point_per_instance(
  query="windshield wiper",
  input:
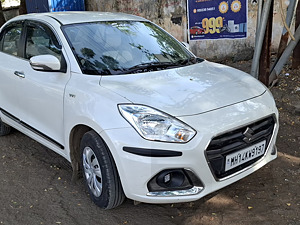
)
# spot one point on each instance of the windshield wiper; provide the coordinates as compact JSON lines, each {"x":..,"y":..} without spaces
{"x":190,"y":61}
{"x":151,"y":66}
{"x":156,"y":66}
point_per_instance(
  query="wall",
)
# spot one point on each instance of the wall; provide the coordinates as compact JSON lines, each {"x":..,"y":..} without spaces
{"x":10,"y":12}
{"x":10,"y":8}
{"x":171,"y":15}
{"x":10,"y":3}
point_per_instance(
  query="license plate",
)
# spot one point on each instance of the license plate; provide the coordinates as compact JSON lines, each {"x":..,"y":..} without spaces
{"x":245,"y":155}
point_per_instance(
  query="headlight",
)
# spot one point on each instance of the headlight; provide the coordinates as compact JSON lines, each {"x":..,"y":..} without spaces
{"x":154,"y":125}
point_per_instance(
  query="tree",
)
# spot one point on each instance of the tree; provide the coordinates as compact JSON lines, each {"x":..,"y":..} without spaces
{"x":22,"y":8}
{"x":2,"y":18}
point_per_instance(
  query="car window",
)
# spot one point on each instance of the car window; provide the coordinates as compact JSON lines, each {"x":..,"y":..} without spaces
{"x":41,"y":41}
{"x":119,"y":47}
{"x":11,"y":38}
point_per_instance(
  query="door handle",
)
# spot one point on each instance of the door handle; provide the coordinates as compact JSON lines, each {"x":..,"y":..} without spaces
{"x":19,"y":74}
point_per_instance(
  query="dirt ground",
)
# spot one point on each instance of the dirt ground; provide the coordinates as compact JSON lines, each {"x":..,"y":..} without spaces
{"x":36,"y":187}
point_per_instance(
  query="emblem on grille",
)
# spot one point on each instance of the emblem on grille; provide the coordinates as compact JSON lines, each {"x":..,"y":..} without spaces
{"x":248,"y":135}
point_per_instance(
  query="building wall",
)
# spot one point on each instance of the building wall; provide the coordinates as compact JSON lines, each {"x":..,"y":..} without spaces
{"x":10,"y":12}
{"x":172,"y":16}
{"x":10,"y":3}
{"x":169,"y":14}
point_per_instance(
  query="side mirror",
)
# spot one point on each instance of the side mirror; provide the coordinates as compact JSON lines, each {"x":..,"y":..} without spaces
{"x":186,"y":45}
{"x":45,"y":63}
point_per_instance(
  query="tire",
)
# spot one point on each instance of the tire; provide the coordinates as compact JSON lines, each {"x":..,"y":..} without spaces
{"x":100,"y":173}
{"x":4,"y":129}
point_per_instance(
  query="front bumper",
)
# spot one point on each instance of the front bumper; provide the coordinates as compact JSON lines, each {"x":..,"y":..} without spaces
{"x":137,"y":170}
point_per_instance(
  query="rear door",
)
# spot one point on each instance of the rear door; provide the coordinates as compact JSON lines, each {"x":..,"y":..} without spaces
{"x":10,"y":80}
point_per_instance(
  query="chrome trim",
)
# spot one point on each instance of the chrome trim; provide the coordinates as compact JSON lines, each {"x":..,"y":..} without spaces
{"x":19,"y":74}
{"x":276,"y":122}
{"x":193,"y":191}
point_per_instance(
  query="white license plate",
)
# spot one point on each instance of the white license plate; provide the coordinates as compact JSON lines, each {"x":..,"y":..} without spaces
{"x":245,"y":155}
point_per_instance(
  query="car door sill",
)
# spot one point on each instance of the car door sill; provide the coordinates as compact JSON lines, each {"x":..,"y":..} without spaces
{"x":30,"y":128}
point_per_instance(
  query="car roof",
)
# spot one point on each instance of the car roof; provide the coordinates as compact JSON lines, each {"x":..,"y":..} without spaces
{"x":72,"y":17}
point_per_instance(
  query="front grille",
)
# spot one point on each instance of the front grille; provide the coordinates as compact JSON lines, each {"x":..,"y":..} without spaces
{"x":236,"y":140}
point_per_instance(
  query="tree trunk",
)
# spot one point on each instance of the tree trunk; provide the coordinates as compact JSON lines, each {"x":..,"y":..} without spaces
{"x":2,"y":19}
{"x":22,"y":8}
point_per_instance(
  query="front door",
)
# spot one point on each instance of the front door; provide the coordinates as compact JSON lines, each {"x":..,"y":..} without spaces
{"x":41,"y":93}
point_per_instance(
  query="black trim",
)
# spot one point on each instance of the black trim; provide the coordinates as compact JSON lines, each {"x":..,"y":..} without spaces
{"x":235,"y":140}
{"x":179,"y":180}
{"x":152,"y":152}
{"x":42,"y":68}
{"x":32,"y":129}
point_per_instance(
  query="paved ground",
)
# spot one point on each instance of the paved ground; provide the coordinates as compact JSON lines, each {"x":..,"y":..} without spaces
{"x":36,"y":187}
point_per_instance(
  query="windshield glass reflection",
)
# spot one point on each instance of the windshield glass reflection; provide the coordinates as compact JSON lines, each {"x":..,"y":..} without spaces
{"x":122,"y":47}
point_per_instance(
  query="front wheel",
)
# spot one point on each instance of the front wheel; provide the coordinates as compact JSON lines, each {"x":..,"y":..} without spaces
{"x":100,"y":172}
{"x":4,"y":129}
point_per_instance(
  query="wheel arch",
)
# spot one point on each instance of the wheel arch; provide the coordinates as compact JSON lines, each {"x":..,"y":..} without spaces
{"x":75,"y":137}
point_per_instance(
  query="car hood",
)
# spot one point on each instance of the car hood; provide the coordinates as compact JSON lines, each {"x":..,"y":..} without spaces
{"x":186,"y":90}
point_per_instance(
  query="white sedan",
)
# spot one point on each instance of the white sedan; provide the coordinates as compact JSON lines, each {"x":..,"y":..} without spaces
{"x":131,"y":108}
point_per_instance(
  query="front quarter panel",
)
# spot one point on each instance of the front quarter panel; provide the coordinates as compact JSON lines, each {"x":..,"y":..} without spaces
{"x":87,"y":103}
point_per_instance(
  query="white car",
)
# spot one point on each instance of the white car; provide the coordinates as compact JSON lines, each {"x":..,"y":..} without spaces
{"x":131,"y":107}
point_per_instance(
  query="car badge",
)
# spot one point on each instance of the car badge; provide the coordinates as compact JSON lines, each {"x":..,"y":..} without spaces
{"x":248,"y":135}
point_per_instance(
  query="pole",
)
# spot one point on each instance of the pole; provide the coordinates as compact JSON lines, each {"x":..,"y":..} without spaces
{"x":259,"y":11}
{"x":265,"y":62}
{"x":285,"y":56}
{"x":259,"y":43}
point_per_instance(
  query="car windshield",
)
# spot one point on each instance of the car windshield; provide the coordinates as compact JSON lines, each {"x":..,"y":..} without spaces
{"x":122,"y":47}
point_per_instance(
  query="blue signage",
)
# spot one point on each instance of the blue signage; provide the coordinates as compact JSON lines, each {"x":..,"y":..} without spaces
{"x":217,"y":19}
{"x":66,"y":5}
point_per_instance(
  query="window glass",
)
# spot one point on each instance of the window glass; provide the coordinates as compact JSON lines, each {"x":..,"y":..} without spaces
{"x":10,"y":40}
{"x":41,"y":41}
{"x":122,"y":47}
